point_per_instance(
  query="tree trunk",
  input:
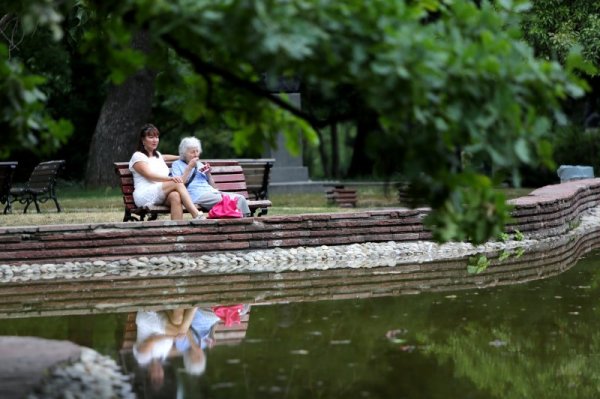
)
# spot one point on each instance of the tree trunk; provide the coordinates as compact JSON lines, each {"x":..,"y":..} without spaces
{"x":335,"y":155}
{"x":322,"y":153}
{"x":361,"y":165}
{"x":126,"y":108}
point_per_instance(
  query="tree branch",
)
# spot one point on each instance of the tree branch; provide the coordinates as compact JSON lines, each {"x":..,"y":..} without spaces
{"x":202,"y":67}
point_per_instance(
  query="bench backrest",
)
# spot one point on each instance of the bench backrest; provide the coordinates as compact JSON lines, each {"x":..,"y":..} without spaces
{"x":43,"y":177}
{"x":227,"y":174}
{"x":7,"y":170}
{"x":258,"y":173}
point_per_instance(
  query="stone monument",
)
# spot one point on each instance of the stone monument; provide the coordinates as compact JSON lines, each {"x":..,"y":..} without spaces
{"x":288,"y":173}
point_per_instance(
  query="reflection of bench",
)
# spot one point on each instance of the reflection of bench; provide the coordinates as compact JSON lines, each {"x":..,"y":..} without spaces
{"x":40,"y":187}
{"x":342,"y":196}
{"x":257,"y":172}
{"x":7,"y":170}
{"x":228,"y":177}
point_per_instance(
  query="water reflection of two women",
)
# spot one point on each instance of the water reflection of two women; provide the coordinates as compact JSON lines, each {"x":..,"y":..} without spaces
{"x":186,"y":332}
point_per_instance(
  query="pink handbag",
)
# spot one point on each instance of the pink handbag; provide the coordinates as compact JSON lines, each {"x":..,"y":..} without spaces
{"x":230,"y":315}
{"x":226,"y":208}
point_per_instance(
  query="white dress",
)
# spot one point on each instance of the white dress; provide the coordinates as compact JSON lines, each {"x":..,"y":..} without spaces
{"x":149,"y":324}
{"x":147,"y":192}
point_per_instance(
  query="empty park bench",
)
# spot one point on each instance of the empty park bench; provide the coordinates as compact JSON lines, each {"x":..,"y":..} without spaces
{"x":7,"y":170}
{"x":227,"y":174}
{"x":40,"y":187}
{"x":257,"y":172}
{"x":342,"y":196}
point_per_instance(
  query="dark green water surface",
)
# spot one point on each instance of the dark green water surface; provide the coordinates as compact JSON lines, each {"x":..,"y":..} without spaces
{"x":535,"y":340}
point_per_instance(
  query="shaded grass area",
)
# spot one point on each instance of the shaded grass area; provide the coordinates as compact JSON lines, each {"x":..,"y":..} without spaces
{"x":106,"y":205}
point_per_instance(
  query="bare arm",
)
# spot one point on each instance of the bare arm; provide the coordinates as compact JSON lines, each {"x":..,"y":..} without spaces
{"x":184,"y":171}
{"x":144,"y":169}
{"x":179,"y":329}
{"x":189,"y":168}
{"x":206,"y":169}
{"x":211,"y":181}
{"x":169,"y":157}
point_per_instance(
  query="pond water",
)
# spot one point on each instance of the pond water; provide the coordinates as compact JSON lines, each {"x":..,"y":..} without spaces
{"x":535,"y":340}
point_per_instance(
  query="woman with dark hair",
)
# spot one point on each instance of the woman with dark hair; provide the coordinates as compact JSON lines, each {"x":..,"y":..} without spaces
{"x":151,"y":180}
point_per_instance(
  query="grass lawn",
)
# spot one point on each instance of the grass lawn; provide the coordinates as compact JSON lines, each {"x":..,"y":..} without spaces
{"x":106,"y":205}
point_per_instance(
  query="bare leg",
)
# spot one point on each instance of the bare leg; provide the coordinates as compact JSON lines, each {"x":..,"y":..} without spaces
{"x":170,"y":186}
{"x":174,"y":202}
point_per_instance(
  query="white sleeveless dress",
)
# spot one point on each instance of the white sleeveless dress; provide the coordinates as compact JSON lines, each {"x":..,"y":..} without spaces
{"x":147,"y":192}
{"x":149,"y":324}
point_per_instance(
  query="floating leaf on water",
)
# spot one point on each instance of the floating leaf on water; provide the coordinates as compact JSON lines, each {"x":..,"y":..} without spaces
{"x":394,"y":333}
{"x":558,"y":297}
{"x":497,"y":343}
{"x":574,"y":313}
{"x":315,"y":333}
{"x":233,"y":361}
{"x":222,"y":385}
{"x":299,"y":352}
{"x":407,"y":348}
{"x":340,"y":342}
{"x":451,"y":296}
{"x":397,"y":340}
{"x":584,"y":287}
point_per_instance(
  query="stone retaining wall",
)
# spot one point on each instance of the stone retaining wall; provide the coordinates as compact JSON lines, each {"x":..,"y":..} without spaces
{"x":43,"y":244}
{"x":551,"y":210}
{"x":554,"y":209}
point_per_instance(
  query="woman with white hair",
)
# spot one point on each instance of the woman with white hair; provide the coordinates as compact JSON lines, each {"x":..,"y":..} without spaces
{"x":198,"y":179}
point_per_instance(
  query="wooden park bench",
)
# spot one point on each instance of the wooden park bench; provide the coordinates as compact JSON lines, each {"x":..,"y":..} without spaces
{"x":257,"y":173}
{"x":227,"y":174}
{"x":7,"y":170}
{"x":40,"y":187}
{"x":342,"y":196}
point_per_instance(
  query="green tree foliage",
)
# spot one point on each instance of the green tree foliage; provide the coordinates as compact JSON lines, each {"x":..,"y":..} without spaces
{"x":448,"y":85}
{"x":554,"y":27}
{"x":24,"y":119}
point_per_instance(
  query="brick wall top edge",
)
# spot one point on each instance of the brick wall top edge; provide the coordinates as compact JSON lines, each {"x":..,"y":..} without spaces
{"x":392,"y":213}
{"x":572,"y":187}
{"x":556,"y":192}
